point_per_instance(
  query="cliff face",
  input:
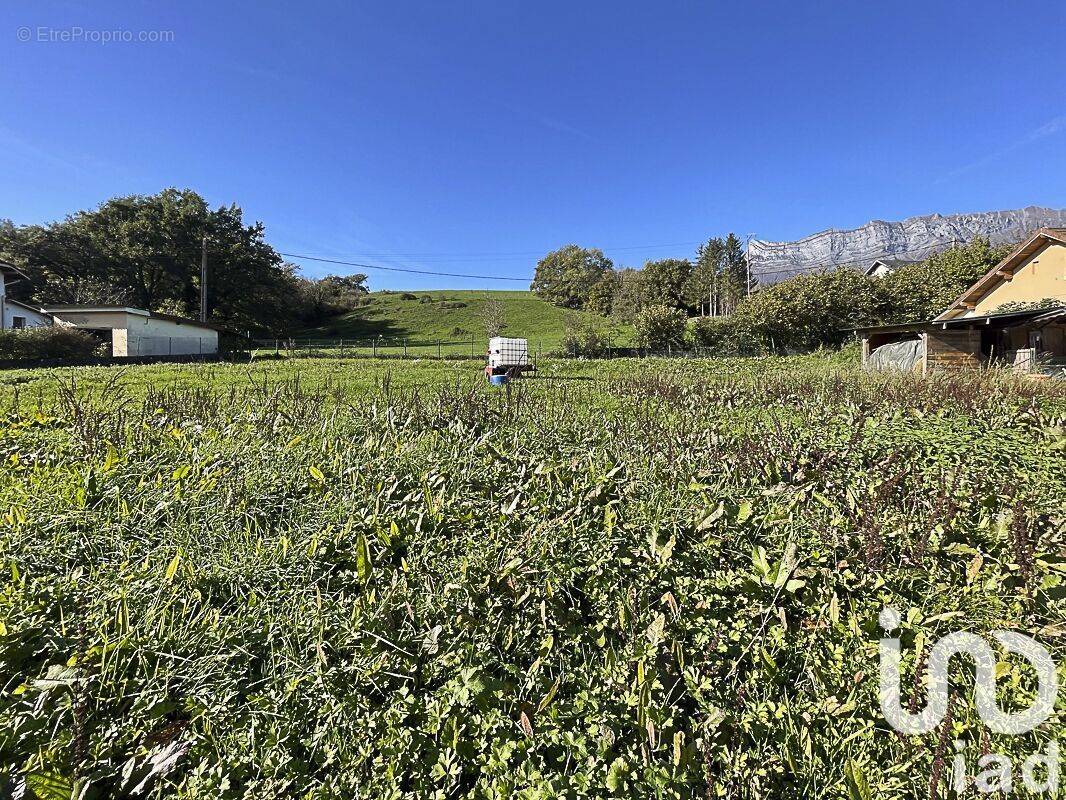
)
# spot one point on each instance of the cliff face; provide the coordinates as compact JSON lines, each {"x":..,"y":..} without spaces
{"x":910,"y":240}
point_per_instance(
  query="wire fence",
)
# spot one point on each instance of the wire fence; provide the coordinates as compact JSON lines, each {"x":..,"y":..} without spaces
{"x":379,"y":347}
{"x":456,"y":349}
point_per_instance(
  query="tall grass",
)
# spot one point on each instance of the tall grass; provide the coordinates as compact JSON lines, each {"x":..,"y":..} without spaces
{"x":663,"y":582}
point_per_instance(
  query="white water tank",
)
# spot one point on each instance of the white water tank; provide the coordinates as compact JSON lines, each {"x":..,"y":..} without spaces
{"x":504,"y":352}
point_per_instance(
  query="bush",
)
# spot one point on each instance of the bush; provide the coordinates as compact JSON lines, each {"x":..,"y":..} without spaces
{"x":408,"y":296}
{"x":725,"y":336}
{"x":451,"y":304}
{"x":810,"y":311}
{"x":660,"y":327}
{"x":57,"y":341}
{"x":585,"y":338}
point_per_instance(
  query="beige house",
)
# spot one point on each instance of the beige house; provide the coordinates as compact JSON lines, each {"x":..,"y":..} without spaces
{"x":134,"y":332}
{"x":994,"y":321}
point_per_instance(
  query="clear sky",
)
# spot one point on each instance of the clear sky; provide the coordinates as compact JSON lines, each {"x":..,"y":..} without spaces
{"x":475,"y":136}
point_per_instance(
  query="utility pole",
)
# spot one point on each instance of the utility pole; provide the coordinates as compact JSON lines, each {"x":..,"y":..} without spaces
{"x":203,"y":280}
{"x":747,"y":264}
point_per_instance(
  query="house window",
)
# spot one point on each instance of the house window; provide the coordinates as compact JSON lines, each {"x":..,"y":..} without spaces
{"x":18,"y":322}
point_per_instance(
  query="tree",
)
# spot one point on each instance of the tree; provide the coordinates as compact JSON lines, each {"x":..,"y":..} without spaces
{"x":601,"y":294}
{"x":924,"y":289}
{"x":812,"y":310}
{"x":145,"y":250}
{"x":665,"y":281}
{"x":735,"y":271}
{"x":565,"y":277}
{"x":704,"y":282}
{"x":629,"y":296}
{"x":660,"y":326}
{"x":492,"y":316}
{"x":317,"y":300}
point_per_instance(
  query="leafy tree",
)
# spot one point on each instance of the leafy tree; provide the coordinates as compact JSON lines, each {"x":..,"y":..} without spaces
{"x":145,"y":250}
{"x":629,"y":295}
{"x":923,"y":290}
{"x":317,"y":300}
{"x":660,"y":326}
{"x":665,"y":281}
{"x":601,"y":294}
{"x":565,"y":277}
{"x":1030,"y":305}
{"x":812,"y":310}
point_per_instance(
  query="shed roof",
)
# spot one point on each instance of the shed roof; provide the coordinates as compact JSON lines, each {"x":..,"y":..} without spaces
{"x":140,"y":312}
{"x":1004,"y":320}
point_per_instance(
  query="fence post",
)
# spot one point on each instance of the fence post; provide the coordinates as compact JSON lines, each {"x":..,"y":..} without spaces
{"x":375,"y":348}
{"x":342,"y":348}
{"x":405,"y":348}
{"x":439,"y":356}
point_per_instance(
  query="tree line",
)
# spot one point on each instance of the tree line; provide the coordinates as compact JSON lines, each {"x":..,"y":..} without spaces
{"x":712,"y":283}
{"x":708,"y":302}
{"x":145,"y":251}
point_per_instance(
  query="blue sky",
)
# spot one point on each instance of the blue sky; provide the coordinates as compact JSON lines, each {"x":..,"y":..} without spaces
{"x":472,"y":137}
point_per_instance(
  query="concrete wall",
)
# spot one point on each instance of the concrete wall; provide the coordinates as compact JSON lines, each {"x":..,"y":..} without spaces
{"x":1043,"y":275}
{"x":163,"y":337}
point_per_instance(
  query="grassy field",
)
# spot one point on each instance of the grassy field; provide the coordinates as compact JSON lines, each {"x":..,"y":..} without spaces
{"x":657,"y":579}
{"x":399,"y":315}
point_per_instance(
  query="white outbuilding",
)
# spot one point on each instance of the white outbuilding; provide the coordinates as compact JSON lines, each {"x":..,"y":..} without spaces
{"x":134,"y":332}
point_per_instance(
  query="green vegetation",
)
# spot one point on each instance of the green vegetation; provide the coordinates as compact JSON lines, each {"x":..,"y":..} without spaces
{"x":636,"y":579}
{"x":799,"y":314}
{"x":577,"y":277}
{"x":145,"y":250}
{"x":660,"y":327}
{"x":457,"y":316}
{"x":31,"y":344}
{"x":571,"y":277}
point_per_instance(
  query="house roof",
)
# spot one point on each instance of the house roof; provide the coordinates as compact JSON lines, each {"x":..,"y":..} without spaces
{"x":97,"y":310}
{"x":11,"y":271}
{"x":34,"y":309}
{"x":891,"y":264}
{"x":1003,"y":270}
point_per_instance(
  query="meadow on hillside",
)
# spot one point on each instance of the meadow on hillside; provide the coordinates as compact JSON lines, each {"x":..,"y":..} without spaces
{"x":357,"y":578}
{"x":455,"y":315}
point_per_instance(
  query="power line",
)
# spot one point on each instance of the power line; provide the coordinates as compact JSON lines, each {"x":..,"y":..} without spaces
{"x":503,"y":254}
{"x":402,"y":269}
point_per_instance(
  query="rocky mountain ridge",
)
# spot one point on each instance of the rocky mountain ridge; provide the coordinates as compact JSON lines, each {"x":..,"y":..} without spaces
{"x":912,"y":239}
